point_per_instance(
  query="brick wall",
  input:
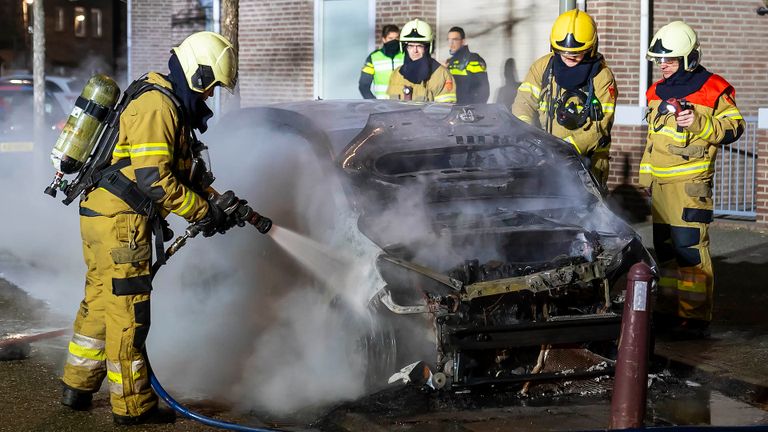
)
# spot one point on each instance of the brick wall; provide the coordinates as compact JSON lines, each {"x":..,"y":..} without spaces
{"x":399,"y":12}
{"x":732,"y":38}
{"x":151,"y":36}
{"x":618,"y":28}
{"x":276,"y":51}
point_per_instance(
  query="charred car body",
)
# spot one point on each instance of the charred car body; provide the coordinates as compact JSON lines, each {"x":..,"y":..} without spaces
{"x":496,"y":242}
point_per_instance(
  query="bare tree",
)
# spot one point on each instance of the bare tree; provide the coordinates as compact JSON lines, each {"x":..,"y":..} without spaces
{"x":230,"y":27}
{"x":38,"y":69}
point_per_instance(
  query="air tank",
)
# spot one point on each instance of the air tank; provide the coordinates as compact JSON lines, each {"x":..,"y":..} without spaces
{"x":85,"y":123}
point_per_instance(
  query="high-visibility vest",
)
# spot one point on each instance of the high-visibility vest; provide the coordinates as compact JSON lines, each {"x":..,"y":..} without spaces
{"x":382,"y":70}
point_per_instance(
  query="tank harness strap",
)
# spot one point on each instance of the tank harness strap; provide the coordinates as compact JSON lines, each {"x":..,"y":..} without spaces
{"x":100,"y":112}
{"x":127,"y":190}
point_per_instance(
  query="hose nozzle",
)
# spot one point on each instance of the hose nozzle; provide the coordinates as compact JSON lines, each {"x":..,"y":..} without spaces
{"x":263,"y":224}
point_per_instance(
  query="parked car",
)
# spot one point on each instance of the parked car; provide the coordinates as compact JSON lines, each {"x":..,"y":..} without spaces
{"x":64,"y":89}
{"x":496,"y":242}
{"x":16,"y":125}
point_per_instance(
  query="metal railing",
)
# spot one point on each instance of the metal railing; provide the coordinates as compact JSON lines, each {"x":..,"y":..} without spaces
{"x":734,"y":188}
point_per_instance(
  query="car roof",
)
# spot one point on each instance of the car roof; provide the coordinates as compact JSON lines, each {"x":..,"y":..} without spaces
{"x":53,"y":83}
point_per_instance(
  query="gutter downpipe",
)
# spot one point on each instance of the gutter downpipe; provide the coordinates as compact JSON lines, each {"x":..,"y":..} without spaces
{"x":645,"y":6}
{"x":566,"y":5}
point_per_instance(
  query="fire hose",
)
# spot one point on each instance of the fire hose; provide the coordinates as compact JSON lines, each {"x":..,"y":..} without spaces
{"x":241,"y":214}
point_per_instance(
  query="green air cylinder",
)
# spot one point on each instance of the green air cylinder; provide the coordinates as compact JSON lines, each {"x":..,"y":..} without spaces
{"x":85,"y":123}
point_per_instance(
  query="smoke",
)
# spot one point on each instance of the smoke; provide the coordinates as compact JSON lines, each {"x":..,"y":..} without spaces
{"x":263,"y":324}
{"x":39,"y":238}
{"x":240,"y":317}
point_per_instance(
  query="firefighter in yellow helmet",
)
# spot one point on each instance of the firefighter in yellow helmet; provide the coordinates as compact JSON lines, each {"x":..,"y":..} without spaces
{"x":421,"y":78}
{"x":150,"y":176}
{"x":571,"y":92}
{"x":691,"y":113}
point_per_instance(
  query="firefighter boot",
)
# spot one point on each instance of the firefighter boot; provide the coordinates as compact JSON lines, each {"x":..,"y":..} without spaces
{"x":76,"y":399}
{"x":155,"y":415}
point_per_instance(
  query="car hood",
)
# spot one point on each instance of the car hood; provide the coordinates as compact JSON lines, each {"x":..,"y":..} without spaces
{"x":440,"y":185}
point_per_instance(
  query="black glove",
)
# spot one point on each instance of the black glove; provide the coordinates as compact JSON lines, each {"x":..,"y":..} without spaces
{"x":214,"y":221}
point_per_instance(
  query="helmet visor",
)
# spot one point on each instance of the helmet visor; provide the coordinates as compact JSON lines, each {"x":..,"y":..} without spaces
{"x":568,"y":52}
{"x":660,"y":60}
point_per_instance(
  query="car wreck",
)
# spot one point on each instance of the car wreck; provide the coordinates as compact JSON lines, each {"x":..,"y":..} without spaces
{"x":496,"y":242}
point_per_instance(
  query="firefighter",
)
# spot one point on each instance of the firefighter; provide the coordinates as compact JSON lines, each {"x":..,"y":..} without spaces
{"x":380,"y":64}
{"x":468,"y":70}
{"x":421,"y":78}
{"x":691,"y":113}
{"x":571,"y":92}
{"x":154,"y":155}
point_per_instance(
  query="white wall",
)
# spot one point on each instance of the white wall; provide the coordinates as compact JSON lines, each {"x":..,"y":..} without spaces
{"x":497,"y":30}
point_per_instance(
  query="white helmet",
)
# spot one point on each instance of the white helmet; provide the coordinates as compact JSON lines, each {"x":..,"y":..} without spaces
{"x":417,"y":31}
{"x":207,"y":59}
{"x":676,"y":40}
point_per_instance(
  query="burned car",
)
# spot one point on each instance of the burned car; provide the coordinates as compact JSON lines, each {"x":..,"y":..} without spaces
{"x":496,"y":243}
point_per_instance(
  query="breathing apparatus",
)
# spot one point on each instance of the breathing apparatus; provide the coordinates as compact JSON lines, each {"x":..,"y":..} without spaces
{"x":572,"y":114}
{"x":93,"y":110}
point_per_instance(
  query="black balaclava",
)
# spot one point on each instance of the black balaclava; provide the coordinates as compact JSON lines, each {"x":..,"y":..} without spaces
{"x":391,"y":48}
{"x":420,"y":70}
{"x":195,"y":108}
{"x":682,"y":83}
{"x":576,"y":77}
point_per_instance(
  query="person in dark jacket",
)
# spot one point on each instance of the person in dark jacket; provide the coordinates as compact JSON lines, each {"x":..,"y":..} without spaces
{"x":468,"y":70}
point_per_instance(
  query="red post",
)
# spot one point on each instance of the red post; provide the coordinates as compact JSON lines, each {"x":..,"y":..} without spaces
{"x":631,"y":380}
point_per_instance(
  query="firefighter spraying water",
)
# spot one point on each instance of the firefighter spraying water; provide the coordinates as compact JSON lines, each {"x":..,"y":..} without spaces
{"x":135,"y":163}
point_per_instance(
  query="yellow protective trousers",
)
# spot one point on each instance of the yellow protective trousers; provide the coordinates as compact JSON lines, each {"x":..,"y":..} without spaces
{"x":682,"y":212}
{"x":112,"y":324}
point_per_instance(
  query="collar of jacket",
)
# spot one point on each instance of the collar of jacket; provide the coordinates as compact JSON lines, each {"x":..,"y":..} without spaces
{"x":682,"y":83}
{"x":420,"y":70}
{"x":460,"y":58}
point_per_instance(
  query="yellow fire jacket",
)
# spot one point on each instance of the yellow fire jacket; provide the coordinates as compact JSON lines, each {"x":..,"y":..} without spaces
{"x":157,"y":144}
{"x":438,"y":88}
{"x":534,"y":98}
{"x":673,"y":154}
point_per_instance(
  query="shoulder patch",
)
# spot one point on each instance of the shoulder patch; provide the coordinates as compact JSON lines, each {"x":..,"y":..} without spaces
{"x":448,"y":85}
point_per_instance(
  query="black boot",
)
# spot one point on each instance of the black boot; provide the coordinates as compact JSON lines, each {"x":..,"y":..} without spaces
{"x":76,"y":399}
{"x":155,"y":415}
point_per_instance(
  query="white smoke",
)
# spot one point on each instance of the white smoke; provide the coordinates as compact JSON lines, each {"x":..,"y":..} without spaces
{"x":239,"y":318}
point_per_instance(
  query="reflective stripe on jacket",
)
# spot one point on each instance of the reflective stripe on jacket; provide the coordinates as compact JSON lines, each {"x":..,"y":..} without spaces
{"x":438,"y":88}
{"x":532,"y":106}
{"x":158,"y":147}
{"x":674,"y":154}
{"x":381,"y":67}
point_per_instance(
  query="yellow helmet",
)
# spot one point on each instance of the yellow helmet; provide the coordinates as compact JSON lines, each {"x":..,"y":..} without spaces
{"x":207,"y":59}
{"x":416,"y":31}
{"x":676,"y":40}
{"x":574,"y":32}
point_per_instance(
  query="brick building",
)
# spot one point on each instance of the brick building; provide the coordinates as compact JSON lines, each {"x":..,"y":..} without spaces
{"x":290,"y":51}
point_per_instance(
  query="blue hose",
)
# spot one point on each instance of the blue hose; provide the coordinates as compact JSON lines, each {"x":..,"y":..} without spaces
{"x":184,"y":411}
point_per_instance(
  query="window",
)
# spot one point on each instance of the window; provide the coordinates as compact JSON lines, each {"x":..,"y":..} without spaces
{"x":96,"y":23}
{"x":59,"y":19}
{"x":80,"y":21}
